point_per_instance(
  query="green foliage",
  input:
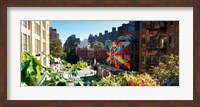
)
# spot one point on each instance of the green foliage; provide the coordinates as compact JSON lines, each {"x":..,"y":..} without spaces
{"x":97,"y":45}
{"x":78,"y":66}
{"x":56,"y":48}
{"x":82,"y":64}
{"x":72,"y":57}
{"x":30,"y":69}
{"x":128,"y":80}
{"x":167,"y":70}
{"x":56,"y":78}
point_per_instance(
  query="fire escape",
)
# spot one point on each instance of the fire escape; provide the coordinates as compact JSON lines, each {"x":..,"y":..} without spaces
{"x":157,"y":45}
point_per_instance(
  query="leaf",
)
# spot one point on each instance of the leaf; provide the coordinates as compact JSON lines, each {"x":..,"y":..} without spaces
{"x":36,"y":62}
{"x":47,"y":83}
{"x":24,"y":68}
{"x":74,"y":73}
{"x":25,"y":56}
{"x":33,"y":80}
{"x":30,"y":71}
{"x":81,"y":83}
{"x":38,"y":70}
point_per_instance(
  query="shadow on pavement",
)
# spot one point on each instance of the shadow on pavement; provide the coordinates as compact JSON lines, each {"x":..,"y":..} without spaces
{"x":90,"y":78}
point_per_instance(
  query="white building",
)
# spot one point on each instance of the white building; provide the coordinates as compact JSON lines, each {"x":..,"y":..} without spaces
{"x":83,"y":44}
{"x":34,"y":37}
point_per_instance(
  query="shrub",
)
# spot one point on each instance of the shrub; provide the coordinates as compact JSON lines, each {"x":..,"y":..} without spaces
{"x":129,"y":80}
{"x":168,"y":70}
{"x":30,"y":69}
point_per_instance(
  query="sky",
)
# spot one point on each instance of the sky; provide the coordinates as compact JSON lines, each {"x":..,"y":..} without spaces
{"x":82,"y":29}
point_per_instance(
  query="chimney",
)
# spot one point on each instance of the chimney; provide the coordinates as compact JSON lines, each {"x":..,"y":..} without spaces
{"x":106,"y":31}
{"x":113,"y":29}
{"x":100,"y":34}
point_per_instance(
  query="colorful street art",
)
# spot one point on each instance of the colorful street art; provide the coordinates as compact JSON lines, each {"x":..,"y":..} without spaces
{"x":118,"y":54}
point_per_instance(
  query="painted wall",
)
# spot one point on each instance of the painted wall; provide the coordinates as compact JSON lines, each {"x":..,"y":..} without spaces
{"x":118,"y":54}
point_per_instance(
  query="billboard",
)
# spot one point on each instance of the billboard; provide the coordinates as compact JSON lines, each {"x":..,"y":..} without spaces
{"x":118,"y":54}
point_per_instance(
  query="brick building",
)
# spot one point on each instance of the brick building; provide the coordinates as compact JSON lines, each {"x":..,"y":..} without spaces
{"x":157,"y":38}
{"x":53,"y":33}
{"x":86,"y":54}
{"x":103,"y":37}
{"x":130,"y":32}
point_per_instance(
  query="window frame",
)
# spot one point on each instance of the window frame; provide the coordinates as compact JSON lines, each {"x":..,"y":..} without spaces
{"x":24,"y":42}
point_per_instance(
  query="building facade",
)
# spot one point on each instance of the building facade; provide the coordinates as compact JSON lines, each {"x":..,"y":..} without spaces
{"x":34,"y":37}
{"x":103,"y":37}
{"x":87,"y":54}
{"x":130,"y":32}
{"x":83,"y":44}
{"x":71,"y":43}
{"x":157,"y":38}
{"x":53,"y":33}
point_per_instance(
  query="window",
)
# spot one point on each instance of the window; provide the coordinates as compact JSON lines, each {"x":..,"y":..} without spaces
{"x":24,"y":42}
{"x":143,"y":41}
{"x":161,"y":42}
{"x":171,"y":41}
{"x":28,"y":44}
{"x":152,"y":41}
{"x":152,"y":59}
{"x":143,"y":59}
{"x":162,"y":24}
{"x":44,"y":47}
{"x":44,"y":36}
{"x":152,"y":24}
{"x":28,"y":24}
{"x":148,"y":24}
{"x":143,"y":25}
{"x":37,"y":29}
{"x":24,"y":24}
{"x":37,"y":46}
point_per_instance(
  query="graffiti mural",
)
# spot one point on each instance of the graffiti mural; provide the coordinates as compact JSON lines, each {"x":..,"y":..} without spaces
{"x":118,"y":54}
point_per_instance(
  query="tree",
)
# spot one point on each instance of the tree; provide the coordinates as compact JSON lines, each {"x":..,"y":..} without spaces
{"x":56,"y":48}
{"x":168,"y":70}
{"x":97,"y":45}
{"x":72,"y":57}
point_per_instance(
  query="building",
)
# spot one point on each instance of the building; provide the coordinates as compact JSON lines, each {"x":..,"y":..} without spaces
{"x":100,"y":54}
{"x":53,"y":33}
{"x":130,"y":33}
{"x":103,"y":37}
{"x":157,"y":38}
{"x":113,"y":35}
{"x":34,"y":37}
{"x":89,"y":54}
{"x":71,"y":43}
{"x":83,"y":44}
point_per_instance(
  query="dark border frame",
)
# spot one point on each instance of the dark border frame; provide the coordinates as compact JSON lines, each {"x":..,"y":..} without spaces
{"x":98,"y":3}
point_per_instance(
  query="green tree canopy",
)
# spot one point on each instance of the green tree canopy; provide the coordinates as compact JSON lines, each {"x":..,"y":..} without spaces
{"x":56,"y":48}
{"x":97,"y":45}
{"x":168,"y":70}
